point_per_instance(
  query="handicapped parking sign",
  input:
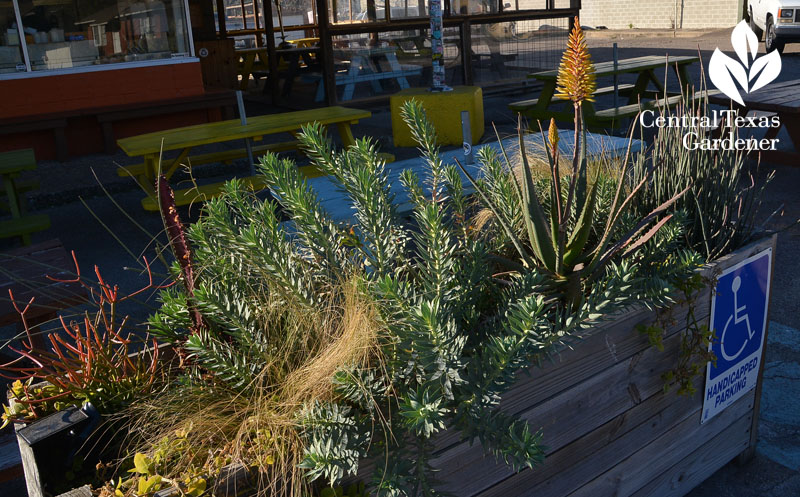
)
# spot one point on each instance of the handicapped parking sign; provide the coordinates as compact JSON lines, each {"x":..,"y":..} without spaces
{"x":739,"y":321}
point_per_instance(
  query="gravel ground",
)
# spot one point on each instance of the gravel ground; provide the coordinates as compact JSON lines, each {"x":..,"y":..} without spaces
{"x":775,"y":471}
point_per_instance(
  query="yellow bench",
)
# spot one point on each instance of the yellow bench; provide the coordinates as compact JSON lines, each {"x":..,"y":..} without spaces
{"x":20,"y":224}
{"x":201,"y":193}
{"x":225,"y":157}
{"x":150,"y":145}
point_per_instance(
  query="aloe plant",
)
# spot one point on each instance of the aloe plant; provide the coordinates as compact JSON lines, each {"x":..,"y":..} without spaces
{"x":557,"y":230}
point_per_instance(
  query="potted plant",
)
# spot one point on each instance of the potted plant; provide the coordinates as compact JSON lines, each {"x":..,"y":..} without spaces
{"x":64,"y":393}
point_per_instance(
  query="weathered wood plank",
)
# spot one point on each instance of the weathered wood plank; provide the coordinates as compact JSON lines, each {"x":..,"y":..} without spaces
{"x":700,"y":465}
{"x":466,"y":470}
{"x":660,"y":455}
{"x":84,"y":491}
{"x":601,"y":348}
{"x":589,"y":456}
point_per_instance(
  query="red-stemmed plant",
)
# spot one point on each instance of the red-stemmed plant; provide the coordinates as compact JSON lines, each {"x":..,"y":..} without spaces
{"x":95,"y":359}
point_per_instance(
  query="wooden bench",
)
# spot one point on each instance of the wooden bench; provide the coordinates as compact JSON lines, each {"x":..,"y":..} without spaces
{"x":225,"y":157}
{"x":57,"y":122}
{"x":22,"y":186}
{"x":526,"y":106}
{"x":628,"y":111}
{"x":20,"y":223}
{"x":202,"y":193}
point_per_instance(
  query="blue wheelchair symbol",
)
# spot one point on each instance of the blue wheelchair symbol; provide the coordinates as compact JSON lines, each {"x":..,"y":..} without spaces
{"x":740,"y":306}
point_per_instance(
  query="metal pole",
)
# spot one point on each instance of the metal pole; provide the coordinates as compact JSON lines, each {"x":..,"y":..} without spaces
{"x":243,"y":118}
{"x":466,"y":133}
{"x":616,"y":77}
{"x":437,"y":47}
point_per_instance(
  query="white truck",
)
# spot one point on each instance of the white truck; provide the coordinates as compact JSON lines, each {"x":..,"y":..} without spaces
{"x":778,"y":20}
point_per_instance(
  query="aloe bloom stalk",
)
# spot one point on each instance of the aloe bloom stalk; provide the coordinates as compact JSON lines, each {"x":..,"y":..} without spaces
{"x":558,"y":240}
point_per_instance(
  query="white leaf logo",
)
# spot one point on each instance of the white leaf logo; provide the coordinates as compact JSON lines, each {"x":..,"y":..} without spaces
{"x":726,"y":71}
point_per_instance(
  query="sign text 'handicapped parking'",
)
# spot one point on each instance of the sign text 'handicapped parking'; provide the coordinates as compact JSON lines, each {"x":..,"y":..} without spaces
{"x":739,"y":320}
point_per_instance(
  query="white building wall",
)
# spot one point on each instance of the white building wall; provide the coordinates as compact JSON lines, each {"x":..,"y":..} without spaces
{"x":661,"y":14}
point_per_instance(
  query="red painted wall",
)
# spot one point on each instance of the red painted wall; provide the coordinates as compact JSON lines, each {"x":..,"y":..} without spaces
{"x":74,"y":95}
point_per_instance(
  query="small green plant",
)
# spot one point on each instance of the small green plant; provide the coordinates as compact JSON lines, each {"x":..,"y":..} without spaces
{"x":146,"y":474}
{"x":29,"y":401}
{"x":694,"y":351}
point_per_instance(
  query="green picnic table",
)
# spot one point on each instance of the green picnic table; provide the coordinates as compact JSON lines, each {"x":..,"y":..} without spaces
{"x":639,"y":94}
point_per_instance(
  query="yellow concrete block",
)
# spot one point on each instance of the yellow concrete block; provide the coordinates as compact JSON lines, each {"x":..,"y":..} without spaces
{"x":444,"y":111}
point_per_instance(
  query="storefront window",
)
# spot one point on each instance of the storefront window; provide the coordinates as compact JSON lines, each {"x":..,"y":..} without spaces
{"x":350,"y":11}
{"x":76,"y":33}
{"x":11,"y":59}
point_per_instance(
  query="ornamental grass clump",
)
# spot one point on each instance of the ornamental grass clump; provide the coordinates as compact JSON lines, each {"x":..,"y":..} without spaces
{"x":262,"y":326}
{"x":564,"y":231}
{"x":722,"y":196}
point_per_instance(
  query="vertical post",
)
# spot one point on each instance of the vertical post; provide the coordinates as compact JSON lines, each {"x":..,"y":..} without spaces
{"x":326,"y":52}
{"x":616,"y":77}
{"x":244,"y":14}
{"x":466,"y":52}
{"x":466,"y":133}
{"x":259,"y":37}
{"x":243,"y":119}
{"x":675,"y":22}
{"x":272,"y":61}
{"x":223,"y":30}
{"x":437,"y":47}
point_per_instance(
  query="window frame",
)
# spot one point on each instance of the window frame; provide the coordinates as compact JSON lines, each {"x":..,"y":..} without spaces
{"x":111,"y":66}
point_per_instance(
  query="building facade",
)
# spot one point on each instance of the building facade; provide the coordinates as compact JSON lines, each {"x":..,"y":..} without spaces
{"x":662,"y":14}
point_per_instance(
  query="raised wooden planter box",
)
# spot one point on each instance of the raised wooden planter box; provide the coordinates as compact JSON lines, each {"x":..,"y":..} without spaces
{"x":609,"y":427}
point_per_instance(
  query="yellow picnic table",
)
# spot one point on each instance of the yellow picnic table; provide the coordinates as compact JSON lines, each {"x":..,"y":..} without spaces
{"x":304,"y":42}
{"x":252,"y":59}
{"x":12,"y":189}
{"x":150,"y":145}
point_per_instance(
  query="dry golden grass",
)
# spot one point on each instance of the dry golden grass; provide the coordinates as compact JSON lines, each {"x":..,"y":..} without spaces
{"x":259,"y":428}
